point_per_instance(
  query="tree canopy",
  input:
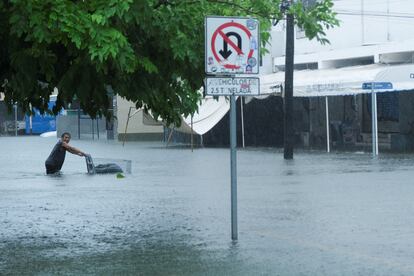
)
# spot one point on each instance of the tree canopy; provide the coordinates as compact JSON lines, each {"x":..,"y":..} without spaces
{"x":149,"y":51}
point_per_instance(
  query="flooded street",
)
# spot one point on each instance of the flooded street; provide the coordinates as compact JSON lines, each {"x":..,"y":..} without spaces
{"x":320,"y":214}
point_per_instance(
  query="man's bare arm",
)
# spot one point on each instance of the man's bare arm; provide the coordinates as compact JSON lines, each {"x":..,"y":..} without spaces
{"x":73,"y":150}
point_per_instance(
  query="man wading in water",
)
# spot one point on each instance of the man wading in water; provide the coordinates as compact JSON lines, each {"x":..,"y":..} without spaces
{"x":56,"y":158}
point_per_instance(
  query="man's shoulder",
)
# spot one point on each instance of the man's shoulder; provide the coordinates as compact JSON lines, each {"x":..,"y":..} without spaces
{"x":61,"y":145}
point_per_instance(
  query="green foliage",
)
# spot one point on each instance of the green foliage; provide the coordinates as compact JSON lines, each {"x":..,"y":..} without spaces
{"x":316,"y":19}
{"x":149,"y":51}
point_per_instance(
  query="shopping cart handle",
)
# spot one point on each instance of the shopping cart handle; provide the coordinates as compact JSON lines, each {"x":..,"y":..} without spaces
{"x":89,"y":164}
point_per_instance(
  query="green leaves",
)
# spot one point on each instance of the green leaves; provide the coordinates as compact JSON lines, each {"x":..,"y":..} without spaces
{"x":99,"y":19}
{"x":316,"y":19}
{"x":149,"y":51}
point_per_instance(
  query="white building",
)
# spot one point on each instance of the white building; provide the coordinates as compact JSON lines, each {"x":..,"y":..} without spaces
{"x":373,"y":34}
{"x":133,"y":124}
{"x":370,"y":31}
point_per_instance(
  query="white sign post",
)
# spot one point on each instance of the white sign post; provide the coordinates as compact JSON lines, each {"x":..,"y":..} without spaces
{"x":232,"y":45}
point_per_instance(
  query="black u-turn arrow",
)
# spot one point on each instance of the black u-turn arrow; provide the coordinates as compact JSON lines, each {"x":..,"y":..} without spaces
{"x":225,"y":53}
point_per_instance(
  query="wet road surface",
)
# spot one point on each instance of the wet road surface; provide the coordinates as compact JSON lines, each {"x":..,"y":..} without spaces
{"x":320,"y":214}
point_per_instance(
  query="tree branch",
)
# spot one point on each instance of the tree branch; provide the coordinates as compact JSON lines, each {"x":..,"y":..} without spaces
{"x":240,"y":7}
{"x":221,"y":2}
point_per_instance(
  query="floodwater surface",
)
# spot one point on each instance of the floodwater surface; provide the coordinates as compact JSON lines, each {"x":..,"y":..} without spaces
{"x":319,"y":214}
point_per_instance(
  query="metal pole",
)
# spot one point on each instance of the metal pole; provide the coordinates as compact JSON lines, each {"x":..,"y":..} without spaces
{"x":126,"y":126}
{"x":233,"y":163}
{"x":376,"y":124}
{"x":31,"y":124}
{"x":97,"y":128}
{"x":79,"y":122}
{"x":192,"y":138}
{"x":328,"y":149}
{"x":169,"y":137}
{"x":93,"y":130}
{"x":31,"y":120}
{"x":374,"y":121}
{"x":288,"y":100}
{"x":15,"y":119}
{"x":165,"y":134}
{"x":242,"y":119}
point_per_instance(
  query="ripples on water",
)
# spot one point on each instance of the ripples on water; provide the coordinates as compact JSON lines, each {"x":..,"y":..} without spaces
{"x":319,"y":214}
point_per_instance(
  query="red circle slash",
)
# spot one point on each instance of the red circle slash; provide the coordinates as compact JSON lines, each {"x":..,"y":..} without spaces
{"x":239,"y":51}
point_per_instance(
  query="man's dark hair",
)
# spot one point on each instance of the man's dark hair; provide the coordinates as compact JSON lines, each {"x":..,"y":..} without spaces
{"x":66,"y":133}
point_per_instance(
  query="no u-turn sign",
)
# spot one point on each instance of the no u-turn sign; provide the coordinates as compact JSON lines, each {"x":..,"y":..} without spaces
{"x":232,"y":45}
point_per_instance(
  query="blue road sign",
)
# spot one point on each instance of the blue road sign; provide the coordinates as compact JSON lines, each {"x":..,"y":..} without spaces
{"x":377,"y":85}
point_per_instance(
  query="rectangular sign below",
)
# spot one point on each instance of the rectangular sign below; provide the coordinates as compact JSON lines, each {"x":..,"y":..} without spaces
{"x":232,"y":86}
{"x":377,"y":85}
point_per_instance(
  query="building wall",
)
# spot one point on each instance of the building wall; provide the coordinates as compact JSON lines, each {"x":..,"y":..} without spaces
{"x":406,"y":120}
{"x":365,"y":22}
{"x":136,"y":130}
{"x":263,"y":124}
{"x":345,"y":117}
{"x":376,"y":37}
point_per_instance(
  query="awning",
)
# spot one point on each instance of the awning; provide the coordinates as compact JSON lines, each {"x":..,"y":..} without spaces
{"x":341,"y":81}
{"x":308,"y":83}
{"x":210,"y":112}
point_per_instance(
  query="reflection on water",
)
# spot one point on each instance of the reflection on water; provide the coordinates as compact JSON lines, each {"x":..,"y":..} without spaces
{"x":320,"y":214}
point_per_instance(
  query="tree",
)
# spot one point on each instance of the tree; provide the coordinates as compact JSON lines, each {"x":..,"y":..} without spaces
{"x":150,"y":52}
